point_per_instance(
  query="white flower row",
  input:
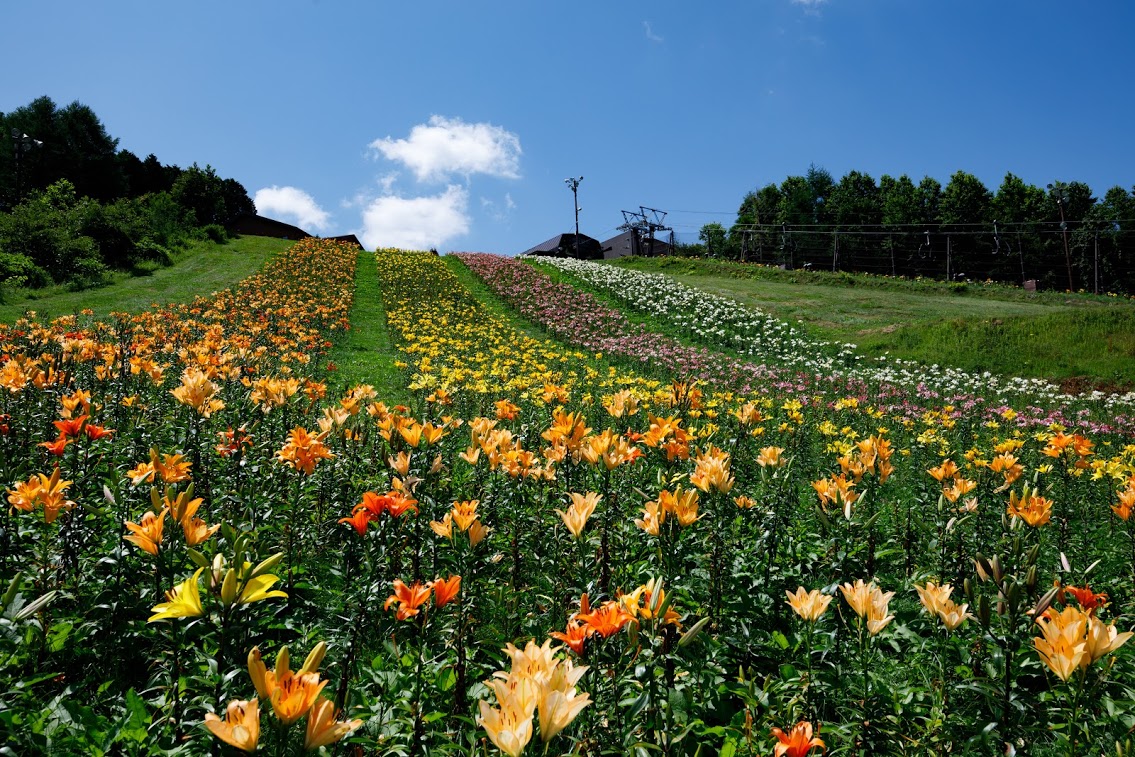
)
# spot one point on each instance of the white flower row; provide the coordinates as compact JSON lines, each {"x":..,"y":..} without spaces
{"x":726,"y":323}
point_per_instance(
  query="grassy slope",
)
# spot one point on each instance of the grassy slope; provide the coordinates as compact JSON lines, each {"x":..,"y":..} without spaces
{"x":365,"y":355}
{"x":490,"y":301}
{"x":202,"y":268}
{"x":1002,"y":330}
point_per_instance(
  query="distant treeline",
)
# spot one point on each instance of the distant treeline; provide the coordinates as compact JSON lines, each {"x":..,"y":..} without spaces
{"x":1061,"y":236}
{"x":73,"y":206}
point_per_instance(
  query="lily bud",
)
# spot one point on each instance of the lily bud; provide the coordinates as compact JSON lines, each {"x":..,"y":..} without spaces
{"x":981,"y":565}
{"x":10,"y":594}
{"x":983,"y":611}
{"x":314,"y":659}
{"x":216,"y":575}
{"x":1013,"y":595}
{"x":228,"y":588}
{"x":267,"y":565}
{"x":1030,"y":578}
{"x":690,"y":635}
{"x":1045,"y":602}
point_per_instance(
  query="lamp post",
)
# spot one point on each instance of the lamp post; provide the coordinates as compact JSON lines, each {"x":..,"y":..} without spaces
{"x":21,"y":144}
{"x":574,"y":184}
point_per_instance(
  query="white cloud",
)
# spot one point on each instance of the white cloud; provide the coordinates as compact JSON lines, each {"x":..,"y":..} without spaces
{"x":650,"y":35}
{"x":294,"y":203}
{"x":446,"y":147}
{"x":498,"y":211}
{"x":416,"y":223}
{"x":811,"y":7}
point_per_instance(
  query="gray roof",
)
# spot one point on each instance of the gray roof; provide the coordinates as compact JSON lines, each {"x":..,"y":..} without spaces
{"x":563,"y":245}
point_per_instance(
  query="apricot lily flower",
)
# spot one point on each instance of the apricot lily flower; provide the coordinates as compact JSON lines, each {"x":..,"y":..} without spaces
{"x":241,"y":726}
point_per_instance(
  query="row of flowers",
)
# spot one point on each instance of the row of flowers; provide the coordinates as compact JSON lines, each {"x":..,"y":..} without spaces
{"x":723,"y":323}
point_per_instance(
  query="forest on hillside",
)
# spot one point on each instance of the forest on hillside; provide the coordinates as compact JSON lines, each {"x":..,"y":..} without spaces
{"x":73,"y":206}
{"x":1062,"y":236}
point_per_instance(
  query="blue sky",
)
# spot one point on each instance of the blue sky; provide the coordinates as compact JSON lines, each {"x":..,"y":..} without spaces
{"x":455,"y":123}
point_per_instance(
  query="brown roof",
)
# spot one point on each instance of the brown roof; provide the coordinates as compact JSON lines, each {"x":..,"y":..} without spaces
{"x":259,"y":226}
{"x":348,"y":239}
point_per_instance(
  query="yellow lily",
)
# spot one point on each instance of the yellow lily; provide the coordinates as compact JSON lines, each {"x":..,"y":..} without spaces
{"x":183,"y":601}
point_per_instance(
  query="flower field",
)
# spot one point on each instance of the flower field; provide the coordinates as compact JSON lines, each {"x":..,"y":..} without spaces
{"x":606,"y":541}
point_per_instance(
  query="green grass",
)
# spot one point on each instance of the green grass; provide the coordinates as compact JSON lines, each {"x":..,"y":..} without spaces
{"x":490,"y":301}
{"x":1078,"y":339}
{"x":200,"y":269}
{"x":365,"y":354}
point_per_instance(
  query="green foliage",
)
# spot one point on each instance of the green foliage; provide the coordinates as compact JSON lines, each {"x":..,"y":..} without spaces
{"x":963,"y":232}
{"x":201,"y":192}
{"x":76,"y":208}
{"x":214,"y":232}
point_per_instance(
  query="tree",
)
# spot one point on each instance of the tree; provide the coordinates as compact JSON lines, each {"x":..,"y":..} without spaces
{"x":900,"y":207}
{"x":1019,"y":208}
{"x":1069,"y":203}
{"x":201,"y":191}
{"x":713,"y":237}
{"x":237,"y":201}
{"x":854,"y":205}
{"x":75,"y":146}
{"x":821,"y":184}
{"x":929,"y":201}
{"x":965,"y":209}
{"x":1115,"y":215}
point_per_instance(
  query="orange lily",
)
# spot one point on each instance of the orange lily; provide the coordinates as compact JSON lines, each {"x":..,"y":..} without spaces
{"x":409,"y":598}
{"x":798,"y":742}
{"x":241,"y":726}
{"x":445,"y":590}
{"x":148,"y":535}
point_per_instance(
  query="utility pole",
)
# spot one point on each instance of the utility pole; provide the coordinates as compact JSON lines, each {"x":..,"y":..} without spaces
{"x":574,"y":184}
{"x":1057,"y":190}
{"x":1096,"y":265}
{"x":22,"y":143}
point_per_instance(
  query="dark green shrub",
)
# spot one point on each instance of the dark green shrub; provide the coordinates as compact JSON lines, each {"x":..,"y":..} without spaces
{"x":149,"y":250}
{"x":18,"y":270}
{"x":216,"y":233}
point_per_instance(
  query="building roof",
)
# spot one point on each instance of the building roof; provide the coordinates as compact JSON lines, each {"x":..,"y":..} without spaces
{"x":348,"y":239}
{"x":260,"y":226}
{"x":563,"y":246}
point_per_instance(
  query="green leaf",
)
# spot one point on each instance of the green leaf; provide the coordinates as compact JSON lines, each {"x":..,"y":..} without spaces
{"x":446,"y":679}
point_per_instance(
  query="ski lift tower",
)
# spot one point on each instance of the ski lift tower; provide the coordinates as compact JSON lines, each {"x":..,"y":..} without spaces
{"x":645,"y":222}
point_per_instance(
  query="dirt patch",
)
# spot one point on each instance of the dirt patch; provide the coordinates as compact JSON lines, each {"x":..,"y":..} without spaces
{"x":1084,"y":384}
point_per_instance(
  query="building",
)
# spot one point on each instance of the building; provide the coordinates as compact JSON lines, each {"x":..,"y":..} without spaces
{"x":348,"y":239}
{"x":630,"y":243}
{"x":259,"y":226}
{"x":563,"y":246}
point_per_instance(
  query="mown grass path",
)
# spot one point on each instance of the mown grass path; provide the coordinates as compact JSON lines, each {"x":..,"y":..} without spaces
{"x":365,"y":354}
